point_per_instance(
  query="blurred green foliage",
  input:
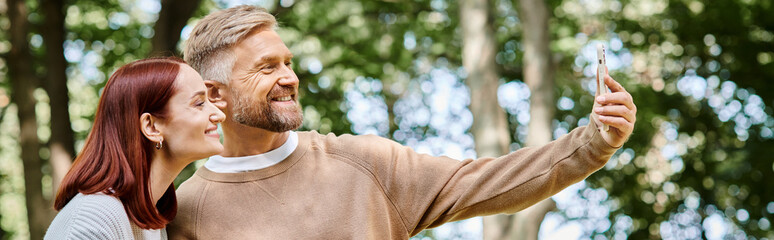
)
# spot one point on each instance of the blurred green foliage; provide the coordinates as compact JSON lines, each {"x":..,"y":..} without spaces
{"x":697,"y":69}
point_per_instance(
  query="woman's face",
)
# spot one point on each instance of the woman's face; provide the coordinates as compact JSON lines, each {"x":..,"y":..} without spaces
{"x":190,"y":128}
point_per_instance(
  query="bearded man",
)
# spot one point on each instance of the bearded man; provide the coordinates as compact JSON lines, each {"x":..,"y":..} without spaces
{"x":272,"y":182}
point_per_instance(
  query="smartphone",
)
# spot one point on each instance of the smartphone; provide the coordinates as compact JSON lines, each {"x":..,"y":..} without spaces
{"x":601,"y":72}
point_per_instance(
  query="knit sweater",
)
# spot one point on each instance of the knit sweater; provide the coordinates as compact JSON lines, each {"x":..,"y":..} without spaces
{"x":368,"y":187}
{"x":97,"y":216}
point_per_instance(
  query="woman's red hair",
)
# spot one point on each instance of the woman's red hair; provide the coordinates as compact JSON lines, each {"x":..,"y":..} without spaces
{"x":116,"y":158}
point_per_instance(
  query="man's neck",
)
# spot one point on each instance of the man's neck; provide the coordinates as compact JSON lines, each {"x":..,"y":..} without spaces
{"x":240,"y":140}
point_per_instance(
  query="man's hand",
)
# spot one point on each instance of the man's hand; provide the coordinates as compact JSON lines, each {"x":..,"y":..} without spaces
{"x":617,"y":110}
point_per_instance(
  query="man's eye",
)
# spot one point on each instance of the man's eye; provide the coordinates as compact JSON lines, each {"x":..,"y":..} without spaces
{"x":199,"y":103}
{"x":268,"y":69}
{"x":288,"y":63}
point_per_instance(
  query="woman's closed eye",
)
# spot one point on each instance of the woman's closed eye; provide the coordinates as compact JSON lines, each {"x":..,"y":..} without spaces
{"x":199,"y":103}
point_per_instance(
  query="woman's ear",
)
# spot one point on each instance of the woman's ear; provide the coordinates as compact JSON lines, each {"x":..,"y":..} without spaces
{"x":215,"y":93}
{"x":149,"y":125}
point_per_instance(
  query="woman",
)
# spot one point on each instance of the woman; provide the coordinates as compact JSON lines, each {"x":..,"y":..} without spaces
{"x":153,"y":119}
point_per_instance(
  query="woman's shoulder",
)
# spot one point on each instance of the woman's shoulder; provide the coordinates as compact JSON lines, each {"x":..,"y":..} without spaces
{"x":91,"y":216}
{"x":99,"y":204}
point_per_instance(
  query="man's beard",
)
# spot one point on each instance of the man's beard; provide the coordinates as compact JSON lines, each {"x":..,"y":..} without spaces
{"x":265,"y":115}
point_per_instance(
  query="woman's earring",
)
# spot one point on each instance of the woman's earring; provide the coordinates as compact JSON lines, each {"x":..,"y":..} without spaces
{"x":160,"y":144}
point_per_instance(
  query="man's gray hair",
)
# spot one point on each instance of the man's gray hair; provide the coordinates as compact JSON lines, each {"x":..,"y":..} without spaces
{"x":209,"y":48}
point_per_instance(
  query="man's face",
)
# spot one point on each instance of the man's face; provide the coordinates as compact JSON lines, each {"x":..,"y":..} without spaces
{"x":263,"y":86}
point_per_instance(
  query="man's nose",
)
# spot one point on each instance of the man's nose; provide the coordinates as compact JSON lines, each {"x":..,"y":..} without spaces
{"x":288,"y":76}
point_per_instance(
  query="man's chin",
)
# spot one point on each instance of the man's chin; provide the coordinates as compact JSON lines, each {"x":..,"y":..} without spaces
{"x":289,"y":122}
{"x":284,"y":123}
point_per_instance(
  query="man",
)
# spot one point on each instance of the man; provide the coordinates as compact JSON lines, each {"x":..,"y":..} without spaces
{"x":272,"y":182}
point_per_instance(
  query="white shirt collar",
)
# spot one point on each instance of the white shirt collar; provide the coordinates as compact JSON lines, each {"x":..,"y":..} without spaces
{"x":220,"y":164}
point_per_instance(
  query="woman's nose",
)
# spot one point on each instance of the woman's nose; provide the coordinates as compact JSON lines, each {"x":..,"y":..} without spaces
{"x":217,"y":116}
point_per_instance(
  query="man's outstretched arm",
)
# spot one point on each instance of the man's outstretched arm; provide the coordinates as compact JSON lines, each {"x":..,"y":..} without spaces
{"x":429,"y":191}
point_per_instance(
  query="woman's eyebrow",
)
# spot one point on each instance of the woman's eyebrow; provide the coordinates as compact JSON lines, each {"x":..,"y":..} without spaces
{"x":197,"y":94}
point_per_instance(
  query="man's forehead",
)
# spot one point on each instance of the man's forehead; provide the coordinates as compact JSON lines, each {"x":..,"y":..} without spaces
{"x":265,"y":43}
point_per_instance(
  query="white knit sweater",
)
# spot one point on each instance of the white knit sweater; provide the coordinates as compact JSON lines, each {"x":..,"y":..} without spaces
{"x":97,"y":216}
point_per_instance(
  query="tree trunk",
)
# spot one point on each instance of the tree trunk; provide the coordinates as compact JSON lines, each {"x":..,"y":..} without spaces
{"x":537,"y":70}
{"x":3,"y":233}
{"x":23,"y":80}
{"x":490,"y":126}
{"x":478,"y":58}
{"x":538,"y":75}
{"x":173,"y":17}
{"x":61,"y":144}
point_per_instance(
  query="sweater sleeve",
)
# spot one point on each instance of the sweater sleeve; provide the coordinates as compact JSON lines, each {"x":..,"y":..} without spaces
{"x":429,"y":191}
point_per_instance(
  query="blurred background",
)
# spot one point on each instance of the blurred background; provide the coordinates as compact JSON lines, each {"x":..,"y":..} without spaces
{"x":465,"y":79}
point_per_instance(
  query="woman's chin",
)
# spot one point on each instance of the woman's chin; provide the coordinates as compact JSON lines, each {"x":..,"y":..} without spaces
{"x":217,"y":149}
{"x":207,"y":152}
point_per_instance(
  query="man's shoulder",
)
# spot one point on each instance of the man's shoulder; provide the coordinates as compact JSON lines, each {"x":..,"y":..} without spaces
{"x":188,"y":195}
{"x":369,"y":150}
{"x":344,"y":141}
{"x":190,"y":186}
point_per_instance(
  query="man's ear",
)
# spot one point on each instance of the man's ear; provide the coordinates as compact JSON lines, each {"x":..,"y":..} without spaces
{"x":149,"y":125}
{"x":215,"y":93}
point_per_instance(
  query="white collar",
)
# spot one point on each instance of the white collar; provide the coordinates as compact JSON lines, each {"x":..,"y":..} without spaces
{"x":220,"y":164}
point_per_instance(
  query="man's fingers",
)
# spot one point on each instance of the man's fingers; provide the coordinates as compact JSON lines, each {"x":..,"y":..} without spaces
{"x":613,"y":85}
{"x":619,"y":123}
{"x":616,"y":111}
{"x":622,"y":98}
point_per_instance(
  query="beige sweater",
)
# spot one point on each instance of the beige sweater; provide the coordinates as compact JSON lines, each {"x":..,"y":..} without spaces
{"x":368,"y":187}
